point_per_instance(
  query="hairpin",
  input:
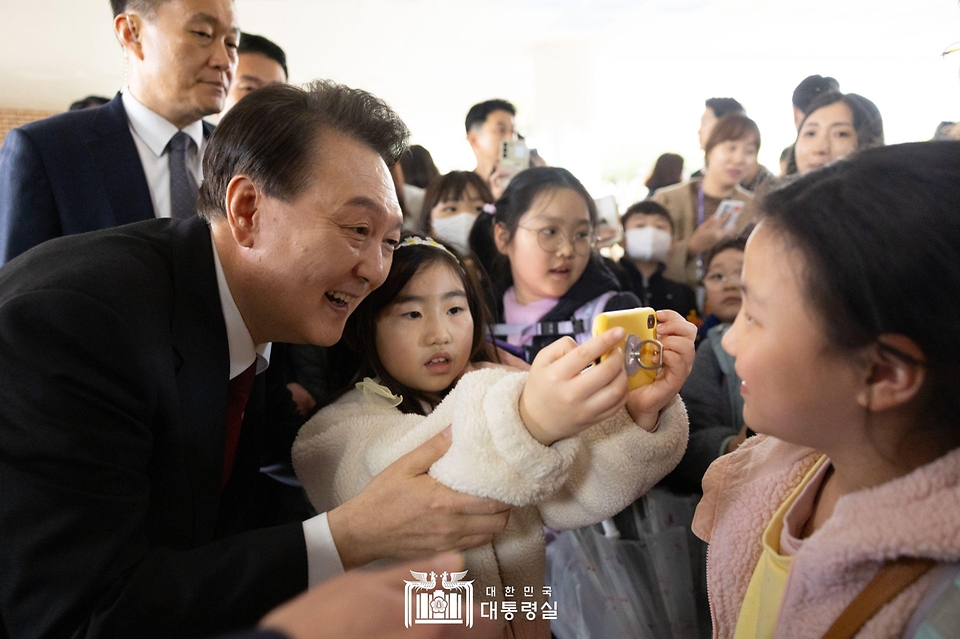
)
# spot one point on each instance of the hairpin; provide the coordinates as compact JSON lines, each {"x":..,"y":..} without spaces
{"x":490,"y":208}
{"x":414,"y":240}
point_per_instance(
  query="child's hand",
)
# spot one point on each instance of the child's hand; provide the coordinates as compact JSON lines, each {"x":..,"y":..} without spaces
{"x":677,"y":336}
{"x":560,"y":399}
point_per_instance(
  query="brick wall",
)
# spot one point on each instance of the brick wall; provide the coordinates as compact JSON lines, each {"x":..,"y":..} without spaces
{"x":12,"y":118}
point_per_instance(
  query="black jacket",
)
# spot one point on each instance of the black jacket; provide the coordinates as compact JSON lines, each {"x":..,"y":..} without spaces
{"x":659,"y":292}
{"x":114,"y":370}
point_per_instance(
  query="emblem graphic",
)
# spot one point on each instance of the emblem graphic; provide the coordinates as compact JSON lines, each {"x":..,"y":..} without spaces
{"x":425,"y":603}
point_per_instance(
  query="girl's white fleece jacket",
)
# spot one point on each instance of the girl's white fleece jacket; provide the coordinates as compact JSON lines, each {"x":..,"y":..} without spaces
{"x":574,"y":482}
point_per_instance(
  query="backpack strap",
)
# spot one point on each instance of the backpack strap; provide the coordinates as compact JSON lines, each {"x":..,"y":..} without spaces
{"x":579,"y":327}
{"x":539,"y":328}
{"x":893,"y":578}
{"x":586,"y":314}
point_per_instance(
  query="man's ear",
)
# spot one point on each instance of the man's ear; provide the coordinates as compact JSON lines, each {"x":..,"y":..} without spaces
{"x":472,"y":138}
{"x":501,"y":236}
{"x":895,"y":373}
{"x":128,"y":27}
{"x":242,"y":202}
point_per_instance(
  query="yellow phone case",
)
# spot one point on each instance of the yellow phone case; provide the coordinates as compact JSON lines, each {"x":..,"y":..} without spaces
{"x":643,"y":353}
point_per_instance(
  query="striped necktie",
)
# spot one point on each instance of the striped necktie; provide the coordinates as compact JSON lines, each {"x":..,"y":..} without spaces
{"x":183,"y":186}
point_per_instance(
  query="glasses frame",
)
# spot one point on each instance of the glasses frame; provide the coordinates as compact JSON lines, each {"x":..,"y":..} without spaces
{"x":564,"y":237}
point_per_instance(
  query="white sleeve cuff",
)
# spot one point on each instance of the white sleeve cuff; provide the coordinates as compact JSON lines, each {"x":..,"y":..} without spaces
{"x":323,"y":560}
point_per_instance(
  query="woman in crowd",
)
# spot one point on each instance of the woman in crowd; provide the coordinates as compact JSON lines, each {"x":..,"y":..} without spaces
{"x":836,"y":126}
{"x":548,"y":280}
{"x":731,"y":149}
{"x":565,"y":447}
{"x":666,"y":172}
{"x":840,"y":519}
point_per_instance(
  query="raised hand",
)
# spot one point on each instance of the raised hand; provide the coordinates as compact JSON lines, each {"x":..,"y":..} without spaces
{"x":677,"y":336}
{"x":561,"y":399}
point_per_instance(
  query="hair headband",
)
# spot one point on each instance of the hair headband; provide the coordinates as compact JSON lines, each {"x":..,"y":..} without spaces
{"x":425,"y":241}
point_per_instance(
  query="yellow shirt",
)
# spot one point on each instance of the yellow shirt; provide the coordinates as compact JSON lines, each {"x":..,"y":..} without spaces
{"x":761,"y":605}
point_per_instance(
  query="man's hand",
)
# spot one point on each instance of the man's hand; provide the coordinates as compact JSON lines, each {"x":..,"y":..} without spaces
{"x":404,"y":513}
{"x":677,"y":336}
{"x":370,"y":604}
{"x":496,"y":181}
{"x":561,"y":399}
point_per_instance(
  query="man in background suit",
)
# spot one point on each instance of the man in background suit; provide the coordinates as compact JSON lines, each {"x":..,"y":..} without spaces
{"x":261,"y":63}
{"x":137,"y":157}
{"x":126,"y":357}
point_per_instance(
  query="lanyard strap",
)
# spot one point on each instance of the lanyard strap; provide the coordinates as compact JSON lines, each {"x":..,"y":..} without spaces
{"x":700,"y":204}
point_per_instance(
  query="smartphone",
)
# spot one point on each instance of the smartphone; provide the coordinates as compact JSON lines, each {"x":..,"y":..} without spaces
{"x":642,"y":351}
{"x":514,"y":157}
{"x":733,"y":208}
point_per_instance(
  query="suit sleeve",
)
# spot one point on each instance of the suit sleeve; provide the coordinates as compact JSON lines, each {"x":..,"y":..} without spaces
{"x":77,"y":429}
{"x":28,"y":211}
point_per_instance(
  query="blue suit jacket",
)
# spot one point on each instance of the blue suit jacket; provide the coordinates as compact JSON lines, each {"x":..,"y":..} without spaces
{"x":75,"y":172}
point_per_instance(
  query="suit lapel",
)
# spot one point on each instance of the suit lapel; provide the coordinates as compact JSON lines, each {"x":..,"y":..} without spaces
{"x":118,"y":164}
{"x":200,"y":340}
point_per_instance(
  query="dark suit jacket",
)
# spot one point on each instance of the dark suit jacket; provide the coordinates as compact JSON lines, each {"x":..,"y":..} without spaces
{"x":75,"y":172}
{"x":113,"y":390}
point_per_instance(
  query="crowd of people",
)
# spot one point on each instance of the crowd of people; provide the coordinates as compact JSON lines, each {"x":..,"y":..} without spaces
{"x":240,"y":362}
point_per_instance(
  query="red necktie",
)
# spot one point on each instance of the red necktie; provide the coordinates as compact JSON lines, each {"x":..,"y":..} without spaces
{"x":237,"y":395}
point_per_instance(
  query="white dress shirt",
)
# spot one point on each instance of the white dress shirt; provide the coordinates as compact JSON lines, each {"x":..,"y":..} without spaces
{"x":151,"y":134}
{"x":323,"y":560}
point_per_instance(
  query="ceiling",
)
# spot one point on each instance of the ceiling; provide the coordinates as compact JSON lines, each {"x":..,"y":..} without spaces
{"x":616,"y":79}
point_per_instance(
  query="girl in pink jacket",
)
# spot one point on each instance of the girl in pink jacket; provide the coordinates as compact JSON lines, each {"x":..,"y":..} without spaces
{"x":847,"y":348}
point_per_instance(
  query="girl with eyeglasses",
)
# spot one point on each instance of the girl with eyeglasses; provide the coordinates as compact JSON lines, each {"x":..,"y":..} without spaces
{"x":548,"y":280}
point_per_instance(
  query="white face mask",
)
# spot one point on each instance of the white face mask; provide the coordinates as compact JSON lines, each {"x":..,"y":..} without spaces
{"x":648,"y":244}
{"x":455,"y":230}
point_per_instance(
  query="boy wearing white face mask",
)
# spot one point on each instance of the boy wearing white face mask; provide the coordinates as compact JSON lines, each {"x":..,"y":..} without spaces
{"x":648,"y":238}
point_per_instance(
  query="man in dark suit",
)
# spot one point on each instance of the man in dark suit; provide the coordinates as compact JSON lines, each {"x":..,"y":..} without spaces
{"x":137,"y":157}
{"x":126,"y":359}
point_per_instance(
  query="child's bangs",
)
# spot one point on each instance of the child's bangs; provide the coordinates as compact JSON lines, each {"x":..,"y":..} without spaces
{"x":453,"y":188}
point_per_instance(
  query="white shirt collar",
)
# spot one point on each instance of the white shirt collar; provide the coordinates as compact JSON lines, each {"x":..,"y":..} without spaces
{"x":153,"y":129}
{"x":239,"y":343}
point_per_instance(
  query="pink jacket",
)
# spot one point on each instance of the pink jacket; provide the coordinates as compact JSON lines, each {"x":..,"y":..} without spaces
{"x":917,"y":515}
